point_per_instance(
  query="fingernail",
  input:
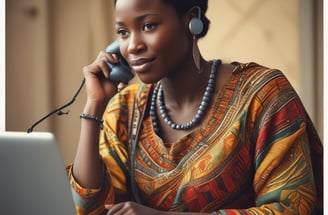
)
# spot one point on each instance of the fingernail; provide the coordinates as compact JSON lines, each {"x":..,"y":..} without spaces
{"x":108,"y":206}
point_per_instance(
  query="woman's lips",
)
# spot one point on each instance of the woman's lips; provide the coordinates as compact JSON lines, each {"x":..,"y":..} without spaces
{"x":141,"y":65}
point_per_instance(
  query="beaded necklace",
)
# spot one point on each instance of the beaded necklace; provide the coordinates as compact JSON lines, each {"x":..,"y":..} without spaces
{"x":158,"y":92}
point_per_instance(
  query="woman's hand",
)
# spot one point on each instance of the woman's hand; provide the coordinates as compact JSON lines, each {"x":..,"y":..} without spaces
{"x":130,"y":208}
{"x":99,"y":88}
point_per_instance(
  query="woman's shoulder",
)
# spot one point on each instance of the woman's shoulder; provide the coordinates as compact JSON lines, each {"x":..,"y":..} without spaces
{"x":241,"y":72}
{"x":254,"y":73}
{"x":252,"y":80}
{"x":253,"y":68}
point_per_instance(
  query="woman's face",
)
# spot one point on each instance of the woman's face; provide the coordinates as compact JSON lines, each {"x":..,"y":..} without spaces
{"x":153,"y":39}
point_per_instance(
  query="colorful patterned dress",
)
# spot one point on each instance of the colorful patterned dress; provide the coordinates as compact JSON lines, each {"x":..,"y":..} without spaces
{"x":256,"y":152}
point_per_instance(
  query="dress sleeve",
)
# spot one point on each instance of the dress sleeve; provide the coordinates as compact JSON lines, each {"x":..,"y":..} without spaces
{"x":114,"y":154}
{"x":113,"y":189}
{"x":283,"y":137}
{"x":86,"y":200}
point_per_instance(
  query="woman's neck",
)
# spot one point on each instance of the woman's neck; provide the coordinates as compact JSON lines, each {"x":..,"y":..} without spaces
{"x":187,"y":86}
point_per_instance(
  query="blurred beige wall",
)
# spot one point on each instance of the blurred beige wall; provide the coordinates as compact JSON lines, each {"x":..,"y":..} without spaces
{"x":48,"y":42}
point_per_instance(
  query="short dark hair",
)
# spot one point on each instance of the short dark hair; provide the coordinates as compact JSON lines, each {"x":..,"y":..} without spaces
{"x":183,"y":6}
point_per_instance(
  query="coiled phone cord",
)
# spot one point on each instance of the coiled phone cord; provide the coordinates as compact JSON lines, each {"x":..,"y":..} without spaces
{"x":59,"y":110}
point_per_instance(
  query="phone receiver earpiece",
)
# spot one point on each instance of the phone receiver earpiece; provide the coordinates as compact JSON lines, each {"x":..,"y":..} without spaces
{"x":120,"y":72}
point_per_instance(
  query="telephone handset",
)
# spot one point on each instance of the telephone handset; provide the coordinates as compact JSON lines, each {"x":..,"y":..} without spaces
{"x":120,"y":72}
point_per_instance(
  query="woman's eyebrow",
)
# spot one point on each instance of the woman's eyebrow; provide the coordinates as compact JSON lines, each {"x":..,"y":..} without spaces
{"x":139,"y":18}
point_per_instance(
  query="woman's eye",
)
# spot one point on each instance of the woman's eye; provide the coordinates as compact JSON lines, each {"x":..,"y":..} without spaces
{"x":149,"y":27}
{"x":122,"y":32}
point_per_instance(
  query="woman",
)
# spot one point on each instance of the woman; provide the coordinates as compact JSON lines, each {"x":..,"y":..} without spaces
{"x":198,"y":136}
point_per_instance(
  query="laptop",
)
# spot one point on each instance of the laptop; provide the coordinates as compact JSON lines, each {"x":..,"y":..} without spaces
{"x":33,"y":178}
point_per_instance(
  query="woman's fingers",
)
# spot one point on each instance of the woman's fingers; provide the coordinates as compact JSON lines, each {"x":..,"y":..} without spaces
{"x":104,"y":59}
{"x":121,"y":86}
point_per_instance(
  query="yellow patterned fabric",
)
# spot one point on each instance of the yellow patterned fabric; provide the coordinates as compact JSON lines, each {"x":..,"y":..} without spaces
{"x":256,"y":152}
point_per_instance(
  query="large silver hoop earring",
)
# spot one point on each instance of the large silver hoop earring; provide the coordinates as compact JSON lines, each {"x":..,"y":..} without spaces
{"x":196,"y":27}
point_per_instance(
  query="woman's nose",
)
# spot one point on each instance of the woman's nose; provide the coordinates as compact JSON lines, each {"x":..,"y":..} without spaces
{"x":136,"y":44}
